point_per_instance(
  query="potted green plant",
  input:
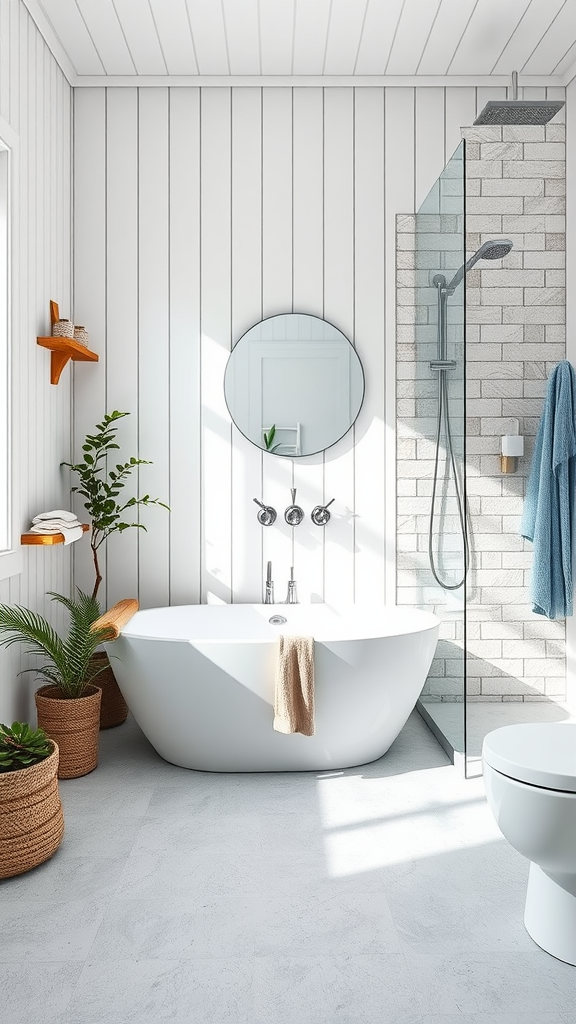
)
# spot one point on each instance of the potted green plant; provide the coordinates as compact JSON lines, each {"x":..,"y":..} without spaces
{"x":31,"y":818}
{"x":101,"y":487}
{"x":69,"y":705}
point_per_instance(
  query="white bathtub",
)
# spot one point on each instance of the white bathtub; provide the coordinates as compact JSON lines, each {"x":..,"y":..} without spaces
{"x":199,"y":680}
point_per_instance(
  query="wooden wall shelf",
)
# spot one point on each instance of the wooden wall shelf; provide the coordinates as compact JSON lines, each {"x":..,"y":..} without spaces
{"x":47,"y":538}
{"x":63,"y":349}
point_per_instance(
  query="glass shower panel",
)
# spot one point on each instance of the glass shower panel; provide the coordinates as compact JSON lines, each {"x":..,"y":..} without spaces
{"x":439,"y":427}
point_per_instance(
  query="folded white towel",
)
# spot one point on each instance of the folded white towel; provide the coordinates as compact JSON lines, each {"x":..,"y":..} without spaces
{"x":58,"y":521}
{"x":57,"y":513}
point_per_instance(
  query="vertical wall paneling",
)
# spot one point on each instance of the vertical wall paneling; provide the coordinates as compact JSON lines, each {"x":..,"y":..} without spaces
{"x":185,"y":484}
{"x":247,"y":461}
{"x":429,"y":141}
{"x":252,"y":202}
{"x":153,"y":343}
{"x":399,"y":198}
{"x":277,"y":216}
{"x":308,"y":274}
{"x":26,"y":355}
{"x":460,"y":111}
{"x":215,"y":325}
{"x":36,"y":256}
{"x":570,"y":115}
{"x":17,"y":15}
{"x":122,"y":319}
{"x":5,"y":64}
{"x":35,"y":107}
{"x":371,"y":450}
{"x":339,"y":309}
{"x":89,"y":283}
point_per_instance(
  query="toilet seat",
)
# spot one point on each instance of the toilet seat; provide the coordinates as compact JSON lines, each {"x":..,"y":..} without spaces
{"x":540,"y":754}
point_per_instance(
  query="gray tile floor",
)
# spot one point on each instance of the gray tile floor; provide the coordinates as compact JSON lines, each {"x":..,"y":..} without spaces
{"x":484,"y":716}
{"x":377,"y":895}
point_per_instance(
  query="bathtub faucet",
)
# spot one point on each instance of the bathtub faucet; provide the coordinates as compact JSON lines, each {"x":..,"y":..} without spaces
{"x":292,"y":597}
{"x":269,"y":587}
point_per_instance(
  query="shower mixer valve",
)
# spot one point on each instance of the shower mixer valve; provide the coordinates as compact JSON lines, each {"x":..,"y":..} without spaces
{"x":266,"y":514}
{"x":320,"y":514}
{"x":294,"y":514}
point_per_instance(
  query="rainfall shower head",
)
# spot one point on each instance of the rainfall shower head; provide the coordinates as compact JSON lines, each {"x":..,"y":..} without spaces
{"x":494,"y":249}
{"x":517,"y":111}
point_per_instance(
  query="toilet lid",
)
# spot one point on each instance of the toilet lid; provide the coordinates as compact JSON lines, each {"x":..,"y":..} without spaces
{"x":542,"y":754}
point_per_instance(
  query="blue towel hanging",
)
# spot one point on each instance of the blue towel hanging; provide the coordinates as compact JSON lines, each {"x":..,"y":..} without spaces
{"x":549,"y":502}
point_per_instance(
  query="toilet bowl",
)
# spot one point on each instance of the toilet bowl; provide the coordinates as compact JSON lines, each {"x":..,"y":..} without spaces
{"x":530,"y":779}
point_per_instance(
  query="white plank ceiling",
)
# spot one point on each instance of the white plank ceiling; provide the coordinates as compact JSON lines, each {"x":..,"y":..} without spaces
{"x":159,"y":38}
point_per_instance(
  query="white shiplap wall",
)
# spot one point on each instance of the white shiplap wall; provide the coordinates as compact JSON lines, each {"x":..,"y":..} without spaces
{"x":571,"y":328}
{"x":198,"y":211}
{"x":35,"y":105}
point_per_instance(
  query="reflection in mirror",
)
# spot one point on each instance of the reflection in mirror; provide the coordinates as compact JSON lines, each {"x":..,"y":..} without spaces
{"x":294,"y":385}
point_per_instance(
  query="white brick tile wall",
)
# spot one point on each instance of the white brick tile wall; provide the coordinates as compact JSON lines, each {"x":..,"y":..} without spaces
{"x":555,"y":187}
{"x":495,"y":204}
{"x":545,"y":204}
{"x":511,"y":187}
{"x":533,"y":314}
{"x":521,"y":133}
{"x":550,"y":259}
{"x":544,"y":151}
{"x":515,"y":321}
{"x":529,"y":169}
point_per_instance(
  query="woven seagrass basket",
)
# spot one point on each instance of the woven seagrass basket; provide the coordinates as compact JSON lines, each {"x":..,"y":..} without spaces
{"x":74,"y":724}
{"x":31,"y":819}
{"x":113,"y":709}
{"x":63,"y":329}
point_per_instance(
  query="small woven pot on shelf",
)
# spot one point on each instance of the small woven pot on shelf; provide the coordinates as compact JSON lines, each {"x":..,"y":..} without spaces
{"x":74,"y":724}
{"x":113,"y":709}
{"x":31,"y":818}
{"x":81,"y":334}
{"x":63,"y":329}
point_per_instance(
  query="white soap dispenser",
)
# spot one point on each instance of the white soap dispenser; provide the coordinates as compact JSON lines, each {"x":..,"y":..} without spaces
{"x":512,"y":449}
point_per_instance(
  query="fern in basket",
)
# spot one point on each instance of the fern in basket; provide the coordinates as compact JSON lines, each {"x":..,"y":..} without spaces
{"x":68,"y":665}
{"x":100,"y":487}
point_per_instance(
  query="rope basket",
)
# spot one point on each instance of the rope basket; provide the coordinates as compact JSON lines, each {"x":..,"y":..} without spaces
{"x":31,"y":819}
{"x":74,"y":724}
{"x":113,"y":709}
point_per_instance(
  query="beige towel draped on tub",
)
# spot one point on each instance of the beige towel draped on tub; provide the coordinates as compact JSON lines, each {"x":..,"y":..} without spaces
{"x":294,"y":695}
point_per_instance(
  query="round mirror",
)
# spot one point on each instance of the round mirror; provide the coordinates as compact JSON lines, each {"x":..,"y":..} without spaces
{"x":294,"y":385}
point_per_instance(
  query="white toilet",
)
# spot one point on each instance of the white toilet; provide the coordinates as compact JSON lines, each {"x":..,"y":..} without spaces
{"x":530,"y":778}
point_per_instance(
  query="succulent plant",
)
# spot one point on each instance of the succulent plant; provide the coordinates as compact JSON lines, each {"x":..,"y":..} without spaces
{"x":21,"y":746}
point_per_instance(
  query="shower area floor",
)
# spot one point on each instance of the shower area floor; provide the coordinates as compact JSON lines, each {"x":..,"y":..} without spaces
{"x":484,"y":716}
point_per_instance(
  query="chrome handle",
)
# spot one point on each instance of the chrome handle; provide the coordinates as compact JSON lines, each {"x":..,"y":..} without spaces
{"x":266,"y":514}
{"x":320,"y":514}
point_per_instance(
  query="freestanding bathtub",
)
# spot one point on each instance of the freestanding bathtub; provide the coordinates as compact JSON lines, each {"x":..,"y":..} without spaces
{"x":199,"y":680}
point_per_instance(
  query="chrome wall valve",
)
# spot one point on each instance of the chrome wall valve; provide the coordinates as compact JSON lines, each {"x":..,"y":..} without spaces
{"x":320,"y":514}
{"x":294,"y":514}
{"x":266,"y":515}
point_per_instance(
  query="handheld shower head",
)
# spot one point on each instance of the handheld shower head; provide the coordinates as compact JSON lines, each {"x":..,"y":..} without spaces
{"x":494,"y":249}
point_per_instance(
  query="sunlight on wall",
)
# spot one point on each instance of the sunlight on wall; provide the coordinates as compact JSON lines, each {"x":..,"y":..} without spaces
{"x":216,"y":474}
